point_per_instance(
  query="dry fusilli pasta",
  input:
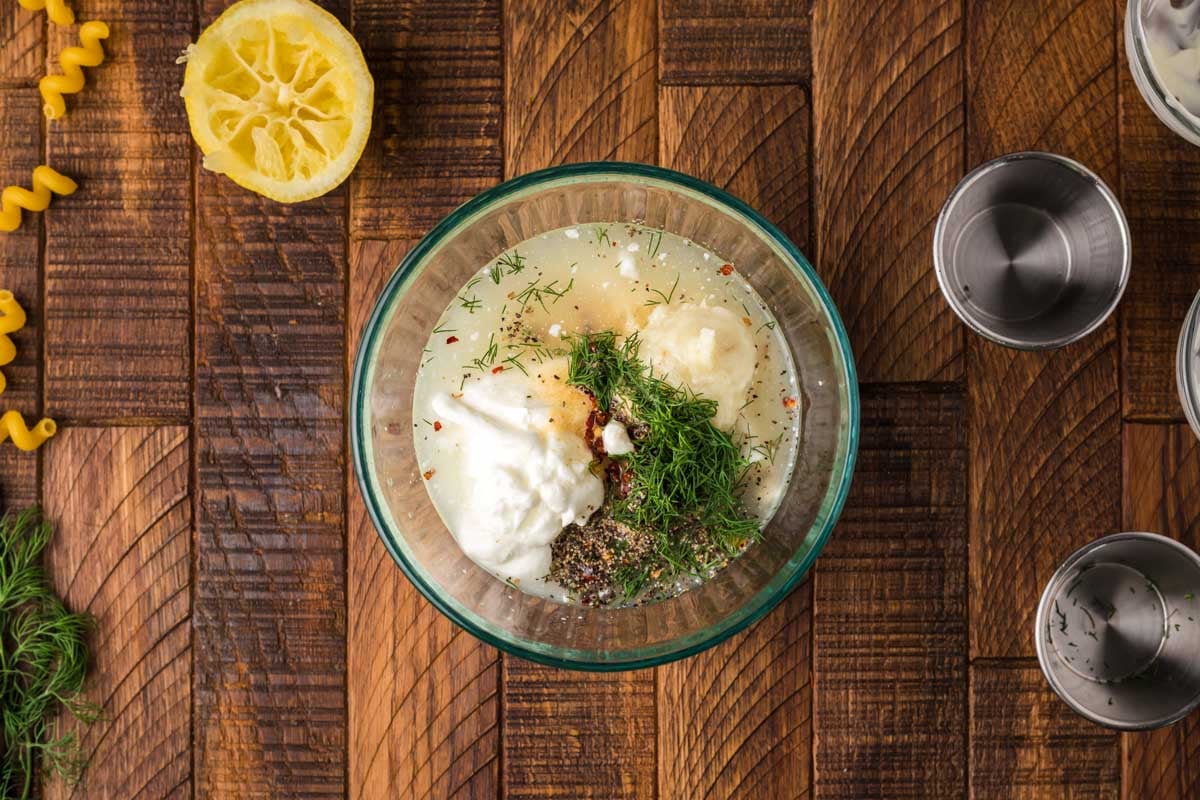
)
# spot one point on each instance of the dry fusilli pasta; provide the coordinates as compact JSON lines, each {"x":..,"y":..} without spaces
{"x":12,"y":321}
{"x":91,"y":54}
{"x":57,"y":10}
{"x":14,"y":198}
{"x":12,"y":426}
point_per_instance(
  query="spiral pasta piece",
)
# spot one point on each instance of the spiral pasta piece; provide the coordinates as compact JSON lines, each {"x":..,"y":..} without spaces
{"x":57,"y":10}
{"x":12,"y":426}
{"x":15,"y":198}
{"x":12,"y":321}
{"x":91,"y":54}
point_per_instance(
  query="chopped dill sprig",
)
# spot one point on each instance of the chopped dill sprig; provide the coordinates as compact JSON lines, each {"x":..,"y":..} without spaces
{"x":43,"y":663}
{"x":472,"y":303}
{"x":685,"y":472}
{"x":656,"y":238}
{"x":601,"y":232}
{"x":441,"y":328}
{"x":538,"y":293}
{"x":768,"y":450}
{"x":507,"y":264}
{"x":488,"y":359}
{"x":769,"y":325}
{"x":665,"y":298}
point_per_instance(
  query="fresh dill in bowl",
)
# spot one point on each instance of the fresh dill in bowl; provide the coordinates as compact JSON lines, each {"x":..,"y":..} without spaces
{"x":674,"y":509}
{"x":43,"y":662}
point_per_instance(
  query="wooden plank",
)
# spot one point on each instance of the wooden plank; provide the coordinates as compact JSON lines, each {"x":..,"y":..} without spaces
{"x":22,"y":47}
{"x":735,"y":41}
{"x":888,"y":147}
{"x":20,"y":273}
{"x":737,"y":719}
{"x":423,"y":694}
{"x":890,"y":606}
{"x":436,"y":136}
{"x":1028,"y":744}
{"x":580,"y":86}
{"x":580,"y":82}
{"x":122,"y":553}
{"x":572,"y":735}
{"x":1160,"y":180}
{"x":270,"y":702}
{"x":1045,"y":428}
{"x":749,"y":140}
{"x":119,"y":251}
{"x":1162,"y":495}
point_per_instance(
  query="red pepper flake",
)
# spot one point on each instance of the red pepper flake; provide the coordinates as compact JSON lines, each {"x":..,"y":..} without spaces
{"x":437,"y":426}
{"x":497,"y":370}
{"x":789,"y":402}
{"x":452,"y":340}
{"x":727,"y":269}
{"x":429,"y":474}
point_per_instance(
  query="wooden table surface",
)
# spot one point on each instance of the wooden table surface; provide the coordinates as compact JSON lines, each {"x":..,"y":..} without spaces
{"x":193,"y":340}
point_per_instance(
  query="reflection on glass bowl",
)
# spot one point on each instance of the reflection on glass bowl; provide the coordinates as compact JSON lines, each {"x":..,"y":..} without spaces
{"x":382,"y":425}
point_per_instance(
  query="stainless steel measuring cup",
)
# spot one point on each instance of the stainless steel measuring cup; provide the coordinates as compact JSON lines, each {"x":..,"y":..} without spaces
{"x":1032,"y":251}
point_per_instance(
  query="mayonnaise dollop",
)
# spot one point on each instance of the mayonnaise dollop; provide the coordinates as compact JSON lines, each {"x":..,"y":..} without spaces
{"x":523,"y":478}
{"x":707,"y":348}
{"x":1173,"y":42}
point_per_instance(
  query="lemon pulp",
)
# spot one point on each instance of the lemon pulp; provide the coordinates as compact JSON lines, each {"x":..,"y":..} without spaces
{"x":279,"y":98}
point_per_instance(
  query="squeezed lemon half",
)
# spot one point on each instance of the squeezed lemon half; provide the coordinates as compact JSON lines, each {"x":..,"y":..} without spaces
{"x":279,"y":98}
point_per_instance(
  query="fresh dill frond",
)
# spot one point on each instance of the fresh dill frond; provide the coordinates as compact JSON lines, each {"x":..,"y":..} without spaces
{"x":601,"y":232}
{"x":685,"y":472}
{"x":769,"y":325}
{"x":488,"y":359}
{"x":665,"y":299}
{"x":43,"y":662}
{"x":538,"y":292}
{"x":441,"y":328}
{"x":656,"y":238}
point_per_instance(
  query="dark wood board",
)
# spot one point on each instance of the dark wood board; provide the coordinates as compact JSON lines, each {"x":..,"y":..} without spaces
{"x":887,"y":150}
{"x":891,"y":671}
{"x":255,"y":639}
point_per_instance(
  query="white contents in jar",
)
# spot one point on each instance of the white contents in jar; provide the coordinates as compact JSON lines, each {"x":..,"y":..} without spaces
{"x":1173,"y":43}
{"x":616,"y":439}
{"x":521,"y":479}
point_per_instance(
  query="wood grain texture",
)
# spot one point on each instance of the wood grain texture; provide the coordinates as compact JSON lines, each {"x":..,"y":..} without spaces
{"x":438,"y":89}
{"x":20,"y":273}
{"x":270,"y":715}
{"x":570,"y":735}
{"x":580,"y":78}
{"x":423,"y":694}
{"x":736,"y":720}
{"x":1045,"y":428}
{"x":22,"y":46}
{"x":888,"y":149}
{"x":1028,"y":745}
{"x":122,"y":553}
{"x":890,"y":607}
{"x":1162,"y":495}
{"x":270,"y":601}
{"x":750,"y":140}
{"x":732,"y":41}
{"x":1160,"y":181}
{"x":119,"y":250}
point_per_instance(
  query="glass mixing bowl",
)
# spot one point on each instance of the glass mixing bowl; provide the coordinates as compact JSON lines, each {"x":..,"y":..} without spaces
{"x":382,"y":427}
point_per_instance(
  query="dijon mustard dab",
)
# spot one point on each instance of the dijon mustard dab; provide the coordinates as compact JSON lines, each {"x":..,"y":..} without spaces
{"x":532,"y":472}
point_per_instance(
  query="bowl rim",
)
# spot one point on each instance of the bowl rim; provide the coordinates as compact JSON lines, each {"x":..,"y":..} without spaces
{"x":942,"y":270}
{"x":1186,"y":377}
{"x":372,"y":330}
{"x":1041,"y":618}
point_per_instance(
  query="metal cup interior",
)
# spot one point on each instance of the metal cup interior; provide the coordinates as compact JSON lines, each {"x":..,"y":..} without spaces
{"x":1032,"y":251}
{"x":1118,"y":631}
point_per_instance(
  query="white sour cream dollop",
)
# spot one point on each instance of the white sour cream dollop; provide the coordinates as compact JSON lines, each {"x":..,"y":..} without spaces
{"x":1173,"y":42}
{"x":522,"y":479}
{"x":707,"y":348}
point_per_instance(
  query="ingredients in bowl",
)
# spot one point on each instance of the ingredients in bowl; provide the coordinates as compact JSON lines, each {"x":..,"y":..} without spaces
{"x":1172,"y":30}
{"x":606,"y":415}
